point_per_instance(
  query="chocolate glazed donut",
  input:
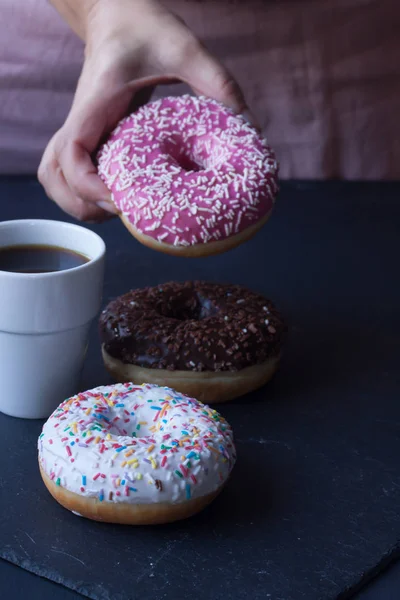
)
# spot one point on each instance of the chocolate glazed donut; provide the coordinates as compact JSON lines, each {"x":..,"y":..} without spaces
{"x":211,"y":341}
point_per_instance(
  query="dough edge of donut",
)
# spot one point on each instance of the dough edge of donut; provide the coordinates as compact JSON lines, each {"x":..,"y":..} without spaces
{"x":124,"y":513}
{"x":197,"y":250}
{"x":206,"y":386}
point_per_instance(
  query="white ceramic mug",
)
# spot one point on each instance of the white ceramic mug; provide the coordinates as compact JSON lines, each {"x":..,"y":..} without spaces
{"x":45,"y":318}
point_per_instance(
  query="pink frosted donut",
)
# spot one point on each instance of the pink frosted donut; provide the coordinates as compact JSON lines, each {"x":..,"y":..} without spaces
{"x":189,"y":176}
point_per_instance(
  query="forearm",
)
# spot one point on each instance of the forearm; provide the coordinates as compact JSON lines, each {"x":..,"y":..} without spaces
{"x":76,"y":13}
{"x":96,"y":21}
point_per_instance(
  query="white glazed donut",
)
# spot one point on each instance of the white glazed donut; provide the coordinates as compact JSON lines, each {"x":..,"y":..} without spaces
{"x":135,"y":454}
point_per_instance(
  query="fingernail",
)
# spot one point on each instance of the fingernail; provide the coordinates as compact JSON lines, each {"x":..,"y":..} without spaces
{"x":251,"y":119}
{"x":108,"y":206}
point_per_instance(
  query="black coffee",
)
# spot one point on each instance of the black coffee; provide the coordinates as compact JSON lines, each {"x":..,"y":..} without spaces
{"x":39,"y":259}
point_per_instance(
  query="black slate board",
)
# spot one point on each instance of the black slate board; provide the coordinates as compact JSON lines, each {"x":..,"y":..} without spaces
{"x":313,"y":508}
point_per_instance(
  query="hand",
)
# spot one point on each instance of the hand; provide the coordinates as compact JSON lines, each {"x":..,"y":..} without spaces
{"x":131,"y":45}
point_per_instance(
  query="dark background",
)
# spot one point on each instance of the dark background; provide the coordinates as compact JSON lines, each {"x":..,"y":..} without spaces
{"x":312,"y":510}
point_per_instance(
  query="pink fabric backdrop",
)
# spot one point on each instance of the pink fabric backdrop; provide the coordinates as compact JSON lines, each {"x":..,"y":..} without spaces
{"x":322,"y":76}
{"x":40,"y":61}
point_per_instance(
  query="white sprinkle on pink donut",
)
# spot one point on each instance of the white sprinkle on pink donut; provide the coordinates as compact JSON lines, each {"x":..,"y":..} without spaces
{"x":188,"y":171}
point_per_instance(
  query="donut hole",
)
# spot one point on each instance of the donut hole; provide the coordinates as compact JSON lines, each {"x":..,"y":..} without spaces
{"x":181,"y":155}
{"x":187,"y":164}
{"x":186,"y":306}
{"x":180,"y":309}
{"x":198,"y":153}
{"x":182,"y":313}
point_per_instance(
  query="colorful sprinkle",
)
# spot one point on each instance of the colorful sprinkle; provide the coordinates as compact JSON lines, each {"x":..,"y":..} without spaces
{"x":184,"y":470}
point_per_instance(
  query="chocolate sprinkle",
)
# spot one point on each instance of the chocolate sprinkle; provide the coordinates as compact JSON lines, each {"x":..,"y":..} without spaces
{"x":192,"y":326}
